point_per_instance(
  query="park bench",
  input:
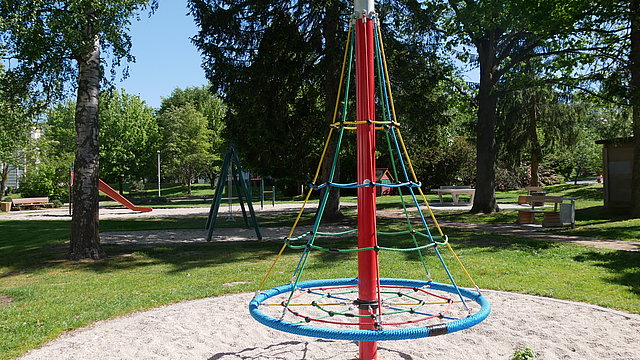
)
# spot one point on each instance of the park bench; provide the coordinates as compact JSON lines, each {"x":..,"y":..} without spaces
{"x":30,"y":202}
{"x":531,"y":190}
{"x":455,"y":192}
{"x":563,"y":212}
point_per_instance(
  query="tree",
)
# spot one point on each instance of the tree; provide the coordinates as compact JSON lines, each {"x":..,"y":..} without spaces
{"x":129,"y":139}
{"x":213,"y":109}
{"x":15,"y":126}
{"x":278,"y":64}
{"x":186,"y":143}
{"x":18,"y":111}
{"x":58,"y":42}
{"x":534,"y":119}
{"x":505,"y":34}
{"x":129,"y":136}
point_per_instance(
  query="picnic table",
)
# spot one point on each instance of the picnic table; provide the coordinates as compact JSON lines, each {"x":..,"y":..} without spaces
{"x":564,"y":210}
{"x":455,"y":192}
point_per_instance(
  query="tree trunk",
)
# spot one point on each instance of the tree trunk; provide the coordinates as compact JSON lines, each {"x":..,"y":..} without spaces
{"x":634,"y":58}
{"x":332,"y":48}
{"x":485,"y":197}
{"x":85,"y":238}
{"x":536,"y":152}
{"x":4,"y":175}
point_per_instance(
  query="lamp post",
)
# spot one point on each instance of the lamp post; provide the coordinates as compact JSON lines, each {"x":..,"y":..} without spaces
{"x":158,"y":152}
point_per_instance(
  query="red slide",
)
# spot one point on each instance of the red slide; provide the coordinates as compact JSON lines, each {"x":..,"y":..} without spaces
{"x":110,"y":192}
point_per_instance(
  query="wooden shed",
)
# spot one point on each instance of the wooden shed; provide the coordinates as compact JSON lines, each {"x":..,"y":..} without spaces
{"x":383,"y":176}
{"x":617,"y":157}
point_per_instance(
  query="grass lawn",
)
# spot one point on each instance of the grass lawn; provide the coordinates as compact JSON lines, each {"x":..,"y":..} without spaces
{"x":43,"y":295}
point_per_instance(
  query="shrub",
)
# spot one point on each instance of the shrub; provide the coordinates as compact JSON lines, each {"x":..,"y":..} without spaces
{"x":136,"y":187}
{"x":43,"y":181}
{"x":453,"y":163}
{"x":520,"y":177}
{"x":523,"y":354}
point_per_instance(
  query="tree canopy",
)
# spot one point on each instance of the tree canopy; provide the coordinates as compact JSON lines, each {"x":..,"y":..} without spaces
{"x":278,"y":63}
{"x":187,"y":143}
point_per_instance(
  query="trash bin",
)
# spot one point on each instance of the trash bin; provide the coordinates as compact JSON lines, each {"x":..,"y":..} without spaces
{"x":568,"y":212}
{"x":5,"y":206}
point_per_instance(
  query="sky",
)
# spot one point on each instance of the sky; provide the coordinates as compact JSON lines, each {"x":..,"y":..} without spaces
{"x":165,"y":57}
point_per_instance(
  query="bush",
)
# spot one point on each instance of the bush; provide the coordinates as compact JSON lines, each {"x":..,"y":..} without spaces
{"x":523,"y":354}
{"x":43,"y":181}
{"x":450,"y":164}
{"x":520,"y":177}
{"x":136,"y":187}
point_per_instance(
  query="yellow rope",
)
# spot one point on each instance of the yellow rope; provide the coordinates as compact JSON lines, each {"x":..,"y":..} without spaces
{"x":324,"y":151}
{"x":406,"y":154}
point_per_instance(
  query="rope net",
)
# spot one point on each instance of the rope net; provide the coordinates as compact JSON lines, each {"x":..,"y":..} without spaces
{"x":400,"y":303}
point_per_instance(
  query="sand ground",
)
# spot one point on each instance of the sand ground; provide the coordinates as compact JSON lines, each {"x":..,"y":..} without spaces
{"x":221,"y":328}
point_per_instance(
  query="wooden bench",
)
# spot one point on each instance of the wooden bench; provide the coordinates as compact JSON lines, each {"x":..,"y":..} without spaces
{"x":455,"y":192}
{"x":30,"y":202}
{"x":561,"y":213}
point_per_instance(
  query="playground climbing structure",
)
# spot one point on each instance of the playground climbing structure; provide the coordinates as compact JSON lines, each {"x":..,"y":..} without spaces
{"x":231,"y":176}
{"x":370,"y":307}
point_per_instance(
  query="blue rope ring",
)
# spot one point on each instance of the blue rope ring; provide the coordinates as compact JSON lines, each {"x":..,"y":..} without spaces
{"x":370,"y":335}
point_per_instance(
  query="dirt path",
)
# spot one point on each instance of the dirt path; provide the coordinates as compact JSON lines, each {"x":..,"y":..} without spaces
{"x":240,"y":234}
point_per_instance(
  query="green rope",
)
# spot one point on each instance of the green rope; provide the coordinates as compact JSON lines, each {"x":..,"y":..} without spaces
{"x":346,"y":251}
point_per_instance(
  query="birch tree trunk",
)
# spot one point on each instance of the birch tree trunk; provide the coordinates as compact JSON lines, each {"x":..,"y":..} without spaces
{"x":85,"y":238}
{"x":4,"y":176}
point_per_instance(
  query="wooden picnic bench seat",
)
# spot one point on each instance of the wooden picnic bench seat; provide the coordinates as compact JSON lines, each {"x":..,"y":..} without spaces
{"x":561,"y":213}
{"x":455,"y":192}
{"x":30,"y":202}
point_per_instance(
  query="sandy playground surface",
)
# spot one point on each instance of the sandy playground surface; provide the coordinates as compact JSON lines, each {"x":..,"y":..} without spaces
{"x":221,"y":328}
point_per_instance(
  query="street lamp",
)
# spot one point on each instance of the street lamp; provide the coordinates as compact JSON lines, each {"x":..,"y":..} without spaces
{"x":158,"y":152}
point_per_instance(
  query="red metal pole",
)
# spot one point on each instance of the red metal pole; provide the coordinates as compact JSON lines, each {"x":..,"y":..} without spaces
{"x":366,"y":147}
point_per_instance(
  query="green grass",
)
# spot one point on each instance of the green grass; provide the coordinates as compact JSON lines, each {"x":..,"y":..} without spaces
{"x":50,"y":295}
{"x":592,"y":220}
